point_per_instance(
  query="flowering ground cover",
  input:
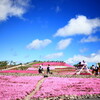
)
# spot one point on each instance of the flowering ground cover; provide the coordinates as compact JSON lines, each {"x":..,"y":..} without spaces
{"x":60,"y":68}
{"x":56,"y":86}
{"x":35,"y":71}
{"x":71,"y":72}
{"x":66,"y":73}
{"x":85,"y":74}
{"x":53,"y":64}
{"x":65,"y":68}
{"x":32,"y":68}
{"x":20,"y":71}
{"x":54,"y":67}
{"x":17,"y":87}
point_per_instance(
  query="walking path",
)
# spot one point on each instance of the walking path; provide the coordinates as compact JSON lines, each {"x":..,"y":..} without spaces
{"x":12,"y":67}
{"x":36,"y":89}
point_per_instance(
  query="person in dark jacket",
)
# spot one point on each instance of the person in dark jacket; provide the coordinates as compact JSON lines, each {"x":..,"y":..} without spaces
{"x":48,"y":69}
{"x":93,"y":69}
{"x":96,"y":69}
{"x":40,"y":69}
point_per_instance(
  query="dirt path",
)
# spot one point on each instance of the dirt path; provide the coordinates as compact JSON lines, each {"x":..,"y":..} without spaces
{"x":36,"y":89}
{"x":12,"y":67}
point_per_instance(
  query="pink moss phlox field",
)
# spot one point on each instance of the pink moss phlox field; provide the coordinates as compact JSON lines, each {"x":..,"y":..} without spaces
{"x":51,"y":67}
{"x":45,"y":67}
{"x":54,"y":64}
{"x":56,"y":86}
{"x":66,"y":73}
{"x":31,"y":68}
{"x":85,"y":74}
{"x":20,"y":71}
{"x":17,"y":87}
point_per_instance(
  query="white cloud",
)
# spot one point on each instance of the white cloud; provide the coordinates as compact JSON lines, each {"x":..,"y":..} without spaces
{"x":79,"y":25}
{"x":38,"y":44}
{"x":90,"y":39}
{"x":54,"y":55}
{"x":63,"y":44}
{"x":93,"y":58}
{"x":9,"y":8}
{"x":83,"y":50}
{"x":57,"y":9}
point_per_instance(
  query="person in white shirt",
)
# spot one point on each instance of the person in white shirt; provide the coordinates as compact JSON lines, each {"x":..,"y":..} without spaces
{"x":84,"y":64}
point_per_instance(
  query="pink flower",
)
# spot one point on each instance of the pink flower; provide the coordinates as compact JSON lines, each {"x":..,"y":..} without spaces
{"x":56,"y":86}
{"x":17,"y":87}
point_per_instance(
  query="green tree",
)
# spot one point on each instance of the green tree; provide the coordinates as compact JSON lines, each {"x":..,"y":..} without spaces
{"x":20,"y":64}
{"x":3,"y":63}
{"x":76,"y":65}
{"x":12,"y":63}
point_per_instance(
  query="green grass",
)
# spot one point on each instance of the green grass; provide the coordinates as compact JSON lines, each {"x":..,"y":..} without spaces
{"x":23,"y":67}
{"x":35,"y":63}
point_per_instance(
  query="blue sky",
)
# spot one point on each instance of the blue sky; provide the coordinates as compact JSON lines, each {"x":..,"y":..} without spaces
{"x":66,"y":30}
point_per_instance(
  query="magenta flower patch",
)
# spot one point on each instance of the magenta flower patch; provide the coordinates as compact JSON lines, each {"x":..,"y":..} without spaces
{"x":17,"y":87}
{"x":56,"y":86}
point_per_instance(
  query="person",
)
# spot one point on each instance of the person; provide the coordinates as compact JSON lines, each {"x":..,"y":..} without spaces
{"x":99,"y":70}
{"x":79,"y":65}
{"x":84,"y":64}
{"x":40,"y":69}
{"x":48,"y":69}
{"x":84,"y":67}
{"x":96,"y":69}
{"x":93,"y":69}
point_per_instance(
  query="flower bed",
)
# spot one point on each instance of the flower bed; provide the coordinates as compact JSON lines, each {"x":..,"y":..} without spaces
{"x":17,"y":87}
{"x":54,"y":67}
{"x":85,"y":74}
{"x":53,"y":64}
{"x":56,"y":86}
{"x":20,"y":71}
{"x":66,"y":68}
{"x":31,"y":68}
{"x":58,"y":72}
{"x":66,"y":73}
